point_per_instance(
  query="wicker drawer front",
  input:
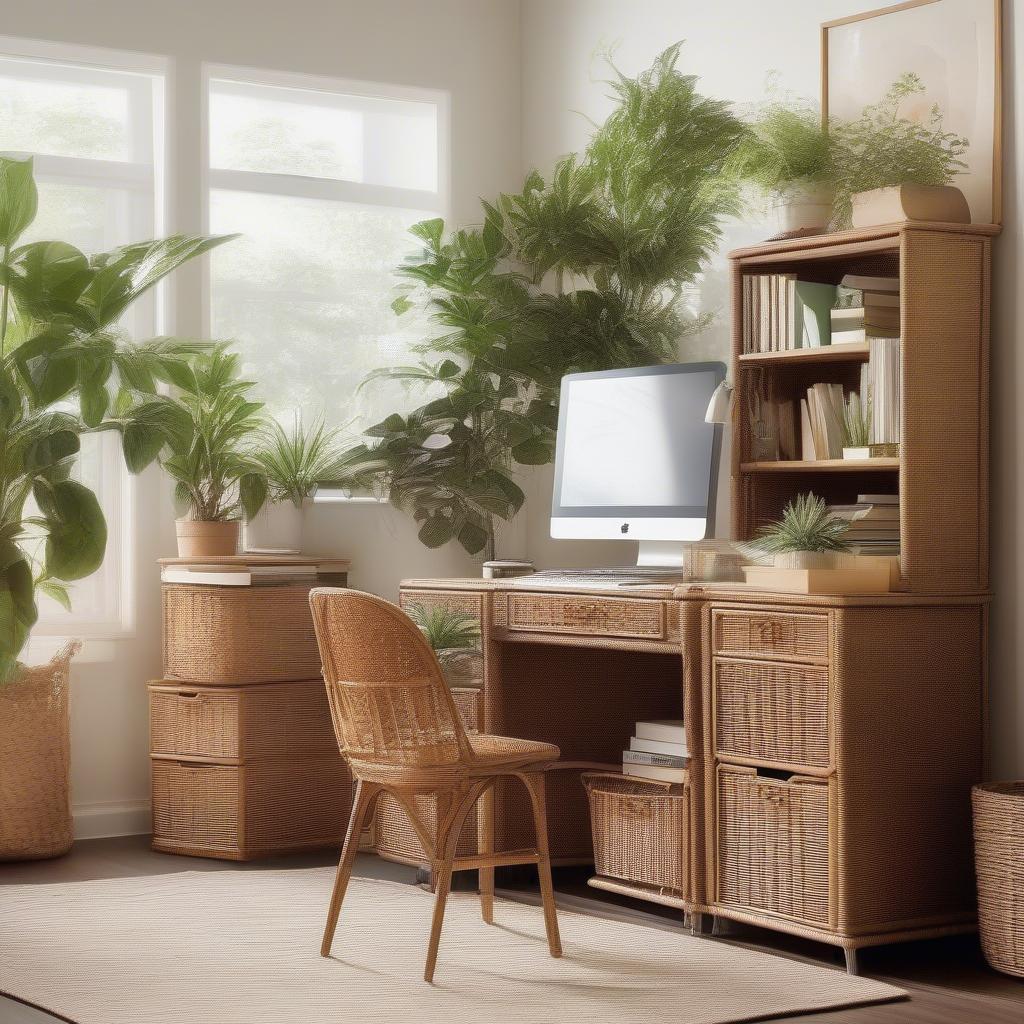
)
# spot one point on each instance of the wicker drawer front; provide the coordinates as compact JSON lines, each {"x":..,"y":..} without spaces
{"x":773,"y":854}
{"x":641,"y":832}
{"x":394,"y":835}
{"x":772,"y":712}
{"x":770,"y":635}
{"x":588,"y":616}
{"x":229,"y":635}
{"x":240,"y":722}
{"x":238,"y":812}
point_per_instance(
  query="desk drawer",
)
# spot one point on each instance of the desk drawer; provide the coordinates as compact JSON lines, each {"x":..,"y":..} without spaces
{"x":772,"y":712}
{"x":770,"y":635}
{"x":587,"y":616}
{"x":773,"y":845}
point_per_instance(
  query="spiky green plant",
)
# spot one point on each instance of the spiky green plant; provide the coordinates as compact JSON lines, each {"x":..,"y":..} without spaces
{"x":448,"y":631}
{"x":882,"y":148}
{"x":583,"y":270}
{"x":806,"y":525}
{"x":296,"y":462}
{"x":856,"y":421}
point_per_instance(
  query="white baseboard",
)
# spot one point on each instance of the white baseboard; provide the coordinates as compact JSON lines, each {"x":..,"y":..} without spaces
{"x":112,"y":818}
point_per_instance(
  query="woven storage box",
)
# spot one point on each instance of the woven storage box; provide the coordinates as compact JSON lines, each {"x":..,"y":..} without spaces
{"x":999,"y":864}
{"x":641,"y":831}
{"x":229,"y":635}
{"x":243,"y":811}
{"x":229,"y":723}
{"x":773,"y":852}
{"x":394,"y":836}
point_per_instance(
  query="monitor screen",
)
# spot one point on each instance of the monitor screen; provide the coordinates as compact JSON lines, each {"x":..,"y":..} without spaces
{"x":633,"y":444}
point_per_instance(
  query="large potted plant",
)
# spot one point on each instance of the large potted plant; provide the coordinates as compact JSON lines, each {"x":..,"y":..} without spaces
{"x":61,"y":361}
{"x":204,"y":435}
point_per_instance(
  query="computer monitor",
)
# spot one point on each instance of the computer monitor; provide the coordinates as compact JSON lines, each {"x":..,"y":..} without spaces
{"x":635,"y":459}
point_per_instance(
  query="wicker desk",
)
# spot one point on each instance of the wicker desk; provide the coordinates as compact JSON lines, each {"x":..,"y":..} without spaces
{"x":833,"y":740}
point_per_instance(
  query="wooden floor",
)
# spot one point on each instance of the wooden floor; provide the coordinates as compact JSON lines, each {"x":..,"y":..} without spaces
{"x":948,"y":980}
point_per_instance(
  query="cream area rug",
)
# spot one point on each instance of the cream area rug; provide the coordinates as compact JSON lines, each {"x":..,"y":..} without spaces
{"x":242,"y":947}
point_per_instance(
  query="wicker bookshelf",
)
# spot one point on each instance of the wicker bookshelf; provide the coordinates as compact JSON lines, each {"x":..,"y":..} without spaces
{"x":942,"y":471}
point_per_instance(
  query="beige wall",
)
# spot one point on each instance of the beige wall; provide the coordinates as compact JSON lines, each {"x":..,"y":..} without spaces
{"x":730,"y":45}
{"x":470,"y":48}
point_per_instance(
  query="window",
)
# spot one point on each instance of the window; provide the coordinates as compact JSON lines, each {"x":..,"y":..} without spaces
{"x":92,"y":121}
{"x":323,"y":181}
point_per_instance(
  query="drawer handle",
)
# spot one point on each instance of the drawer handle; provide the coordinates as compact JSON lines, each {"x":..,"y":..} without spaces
{"x":767,"y":631}
{"x":187,"y":695}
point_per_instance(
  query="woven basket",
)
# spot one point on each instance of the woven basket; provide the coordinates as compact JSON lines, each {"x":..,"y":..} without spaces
{"x":999,"y":863}
{"x":641,"y":831}
{"x":35,"y":807}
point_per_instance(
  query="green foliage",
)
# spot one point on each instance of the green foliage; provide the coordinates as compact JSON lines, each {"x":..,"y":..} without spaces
{"x":62,"y":366}
{"x":580,"y":271}
{"x":204,"y":436}
{"x":883,"y":148}
{"x":448,"y":631}
{"x":856,"y":422}
{"x":295,"y":463}
{"x":806,"y":525}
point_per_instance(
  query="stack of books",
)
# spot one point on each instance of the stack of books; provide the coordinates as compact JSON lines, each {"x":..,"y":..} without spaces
{"x":657,"y":751}
{"x":821,"y":423}
{"x":236,"y":571}
{"x":866,"y":307}
{"x":781,"y":313}
{"x":874,"y":524}
{"x":883,"y":384}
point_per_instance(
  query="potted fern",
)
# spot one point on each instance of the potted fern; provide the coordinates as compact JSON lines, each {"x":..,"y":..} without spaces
{"x":294,"y":463}
{"x":454,"y":637}
{"x":808,"y":536}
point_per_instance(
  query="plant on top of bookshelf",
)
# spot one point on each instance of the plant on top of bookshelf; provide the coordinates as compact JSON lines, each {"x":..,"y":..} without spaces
{"x":882,"y":147}
{"x":807,"y":535}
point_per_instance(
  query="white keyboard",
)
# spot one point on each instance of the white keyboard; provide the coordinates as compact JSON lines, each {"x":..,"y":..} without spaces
{"x":591,"y":579}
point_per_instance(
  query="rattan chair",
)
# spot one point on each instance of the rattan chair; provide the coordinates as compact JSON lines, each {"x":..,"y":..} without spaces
{"x":398,"y":728}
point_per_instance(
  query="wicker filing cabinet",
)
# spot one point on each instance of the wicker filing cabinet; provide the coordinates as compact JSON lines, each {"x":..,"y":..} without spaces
{"x":245,"y":763}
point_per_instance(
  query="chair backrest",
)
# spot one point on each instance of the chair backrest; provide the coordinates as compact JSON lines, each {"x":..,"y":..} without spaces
{"x":389,"y":700}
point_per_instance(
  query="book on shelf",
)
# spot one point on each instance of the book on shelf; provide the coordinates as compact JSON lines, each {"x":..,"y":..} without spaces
{"x":822,"y":422}
{"x":672,"y":749}
{"x":881,"y":381}
{"x":665,"y":730}
{"x":782,"y":313}
{"x":874,"y":527}
{"x":878,"y":499}
{"x":650,"y":771}
{"x":657,"y":760}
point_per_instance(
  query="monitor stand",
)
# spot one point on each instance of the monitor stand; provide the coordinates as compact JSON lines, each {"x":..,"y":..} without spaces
{"x":663,"y":554}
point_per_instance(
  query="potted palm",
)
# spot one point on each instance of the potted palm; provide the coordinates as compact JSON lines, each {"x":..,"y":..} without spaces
{"x":61,"y":360}
{"x":294,"y":463}
{"x":454,"y":636}
{"x":808,"y":536}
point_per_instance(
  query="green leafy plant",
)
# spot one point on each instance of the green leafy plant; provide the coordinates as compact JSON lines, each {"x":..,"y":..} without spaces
{"x":806,"y":525}
{"x":882,"y":148}
{"x":583,"y":270}
{"x":204,"y":436}
{"x":296,"y":462}
{"x":64,"y":367}
{"x":856,"y":421}
{"x":449,"y":632}
{"x":785,"y":144}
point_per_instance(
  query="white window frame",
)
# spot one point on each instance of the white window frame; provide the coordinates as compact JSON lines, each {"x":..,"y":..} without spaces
{"x":118,"y":490}
{"x":308,"y":186}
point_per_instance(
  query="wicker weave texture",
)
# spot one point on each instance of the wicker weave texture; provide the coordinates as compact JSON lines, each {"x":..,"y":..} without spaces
{"x":597,"y":616}
{"x":35,"y":808}
{"x":773,"y":844}
{"x":772,"y":712}
{"x":238,"y":812}
{"x":230,"y":635}
{"x":767,"y":634}
{"x":641,"y":832}
{"x":240,"y":722}
{"x":999,"y":865}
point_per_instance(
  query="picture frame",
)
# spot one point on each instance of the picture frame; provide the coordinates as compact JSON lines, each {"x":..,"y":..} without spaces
{"x":863,"y":54}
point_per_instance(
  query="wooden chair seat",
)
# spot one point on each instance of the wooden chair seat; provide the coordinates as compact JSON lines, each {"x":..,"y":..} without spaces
{"x":398,"y":728}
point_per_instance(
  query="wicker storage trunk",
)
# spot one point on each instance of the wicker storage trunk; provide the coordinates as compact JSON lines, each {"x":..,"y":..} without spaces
{"x":999,"y":863}
{"x":641,"y":831}
{"x":222,"y":636}
{"x":394,"y":837}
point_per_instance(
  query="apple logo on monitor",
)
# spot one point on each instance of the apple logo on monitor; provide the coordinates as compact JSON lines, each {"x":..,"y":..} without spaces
{"x":624,"y":528}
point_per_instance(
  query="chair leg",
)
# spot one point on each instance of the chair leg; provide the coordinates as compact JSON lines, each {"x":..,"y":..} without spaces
{"x":365,"y":798}
{"x":535,"y":786}
{"x":447,"y":841}
{"x":486,"y":874}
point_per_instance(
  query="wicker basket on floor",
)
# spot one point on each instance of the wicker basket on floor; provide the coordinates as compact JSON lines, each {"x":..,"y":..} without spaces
{"x":35,"y":810}
{"x":999,"y":863}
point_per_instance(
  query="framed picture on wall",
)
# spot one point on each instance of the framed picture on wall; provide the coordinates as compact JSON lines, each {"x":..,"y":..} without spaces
{"x":954,"y":47}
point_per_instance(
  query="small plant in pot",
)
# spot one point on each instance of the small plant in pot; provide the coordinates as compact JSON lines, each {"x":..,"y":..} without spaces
{"x":786,"y":153}
{"x":807,"y":536}
{"x":204,"y":437}
{"x":294,"y":463}
{"x":454,"y":637}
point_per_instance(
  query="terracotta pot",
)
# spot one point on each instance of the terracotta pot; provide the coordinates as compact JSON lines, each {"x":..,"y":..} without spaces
{"x":803,"y":208}
{"x":198,"y":538}
{"x":276,"y":529}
